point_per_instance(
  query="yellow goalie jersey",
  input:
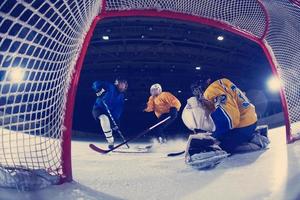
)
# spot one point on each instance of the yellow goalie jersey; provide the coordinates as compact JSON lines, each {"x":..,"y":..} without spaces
{"x":233,"y":101}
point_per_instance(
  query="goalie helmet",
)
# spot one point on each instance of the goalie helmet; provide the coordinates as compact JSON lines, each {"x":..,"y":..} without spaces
{"x":155,"y":89}
{"x":198,"y":87}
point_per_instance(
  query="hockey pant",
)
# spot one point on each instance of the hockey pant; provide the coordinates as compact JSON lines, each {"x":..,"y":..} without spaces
{"x":229,"y":138}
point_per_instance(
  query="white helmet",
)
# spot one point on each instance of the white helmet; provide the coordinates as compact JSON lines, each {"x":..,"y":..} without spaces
{"x":155,"y":89}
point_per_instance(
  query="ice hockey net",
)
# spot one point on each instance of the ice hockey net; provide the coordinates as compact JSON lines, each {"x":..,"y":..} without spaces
{"x":42,"y":46}
{"x":40,"y":42}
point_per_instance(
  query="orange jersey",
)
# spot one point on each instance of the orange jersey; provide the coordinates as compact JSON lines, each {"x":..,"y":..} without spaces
{"x":225,"y":94}
{"x":162,"y":103}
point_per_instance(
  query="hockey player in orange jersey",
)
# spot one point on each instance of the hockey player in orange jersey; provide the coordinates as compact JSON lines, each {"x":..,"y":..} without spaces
{"x":163,"y":104}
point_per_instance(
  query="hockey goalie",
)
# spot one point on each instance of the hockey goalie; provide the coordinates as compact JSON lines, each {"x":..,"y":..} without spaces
{"x":227,"y":120}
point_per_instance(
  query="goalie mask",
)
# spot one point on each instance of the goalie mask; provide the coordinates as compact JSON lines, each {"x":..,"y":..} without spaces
{"x":198,"y":87}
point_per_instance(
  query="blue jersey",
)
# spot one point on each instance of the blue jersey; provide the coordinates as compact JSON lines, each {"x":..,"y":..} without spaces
{"x":111,"y":96}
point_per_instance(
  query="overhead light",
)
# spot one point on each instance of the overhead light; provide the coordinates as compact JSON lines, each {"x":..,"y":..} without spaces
{"x":274,"y":84}
{"x":179,"y":91}
{"x":220,"y":38}
{"x":105,"y":37}
{"x":198,"y":68}
{"x":142,"y":36}
{"x":17,"y":75}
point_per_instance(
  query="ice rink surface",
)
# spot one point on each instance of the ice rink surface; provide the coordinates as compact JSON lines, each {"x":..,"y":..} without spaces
{"x":271,"y":174}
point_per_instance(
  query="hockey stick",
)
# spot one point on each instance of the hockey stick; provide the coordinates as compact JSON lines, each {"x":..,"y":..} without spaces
{"x":176,"y":153}
{"x":116,"y":127}
{"x":92,"y":146}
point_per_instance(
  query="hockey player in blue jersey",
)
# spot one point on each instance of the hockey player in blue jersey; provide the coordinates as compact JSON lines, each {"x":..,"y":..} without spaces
{"x":110,"y":98}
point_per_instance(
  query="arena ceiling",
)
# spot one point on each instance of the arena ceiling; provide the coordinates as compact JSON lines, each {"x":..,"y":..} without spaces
{"x":147,"y":50}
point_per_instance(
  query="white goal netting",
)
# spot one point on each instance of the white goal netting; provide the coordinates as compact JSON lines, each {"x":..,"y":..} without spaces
{"x":284,"y":38}
{"x":40,"y":41}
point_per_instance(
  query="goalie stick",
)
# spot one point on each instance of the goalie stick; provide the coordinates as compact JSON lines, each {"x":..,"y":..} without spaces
{"x":103,"y":151}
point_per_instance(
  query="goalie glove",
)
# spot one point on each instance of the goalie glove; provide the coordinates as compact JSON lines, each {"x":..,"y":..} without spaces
{"x":173,"y":112}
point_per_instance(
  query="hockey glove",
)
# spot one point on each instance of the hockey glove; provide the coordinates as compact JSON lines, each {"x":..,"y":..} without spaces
{"x":173,"y":112}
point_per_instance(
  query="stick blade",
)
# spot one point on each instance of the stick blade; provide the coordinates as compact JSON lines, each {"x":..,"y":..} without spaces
{"x":175,"y":154}
{"x":97,"y":149}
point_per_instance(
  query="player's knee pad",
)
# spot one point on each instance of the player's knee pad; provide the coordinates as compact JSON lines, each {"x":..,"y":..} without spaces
{"x":198,"y":143}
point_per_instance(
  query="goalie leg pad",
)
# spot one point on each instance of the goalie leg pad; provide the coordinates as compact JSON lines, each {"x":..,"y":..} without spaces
{"x":206,"y":160}
{"x":262,"y":130}
{"x":260,"y":140}
{"x":237,"y":137}
{"x":202,"y":152}
{"x":201,"y":145}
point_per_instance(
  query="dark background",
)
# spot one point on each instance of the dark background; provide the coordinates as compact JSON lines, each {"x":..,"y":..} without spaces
{"x":156,"y":50}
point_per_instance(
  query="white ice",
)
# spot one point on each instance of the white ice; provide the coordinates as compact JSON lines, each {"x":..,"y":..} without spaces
{"x":272,"y":174}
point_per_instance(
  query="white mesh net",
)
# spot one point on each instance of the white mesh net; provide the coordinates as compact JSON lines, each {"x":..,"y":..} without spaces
{"x":39,"y":45}
{"x":284,"y":38}
{"x":296,"y":2}
{"x":238,"y":13}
